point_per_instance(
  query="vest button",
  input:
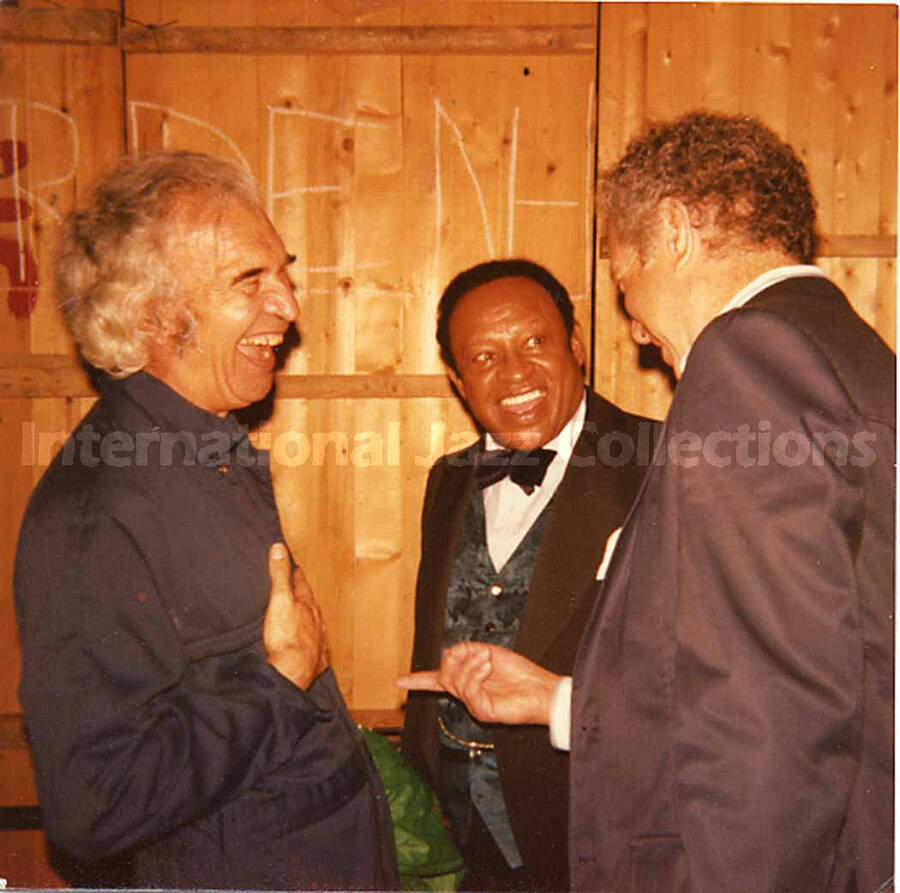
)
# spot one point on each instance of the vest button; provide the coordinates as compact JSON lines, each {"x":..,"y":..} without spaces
{"x":489,"y":627}
{"x":496,"y":590}
{"x":223,"y":470}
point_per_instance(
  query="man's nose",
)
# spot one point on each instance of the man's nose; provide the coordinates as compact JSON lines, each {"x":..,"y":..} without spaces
{"x":639,"y":333}
{"x":280,"y":301}
{"x":515,"y":365}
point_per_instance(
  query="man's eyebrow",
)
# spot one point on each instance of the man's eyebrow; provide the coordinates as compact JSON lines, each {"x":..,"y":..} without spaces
{"x":247,"y":274}
{"x":256,"y":271}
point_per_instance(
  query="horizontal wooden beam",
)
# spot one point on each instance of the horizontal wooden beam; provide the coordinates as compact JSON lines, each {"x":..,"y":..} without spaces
{"x":432,"y":40}
{"x":834,"y":246}
{"x":362,"y":387}
{"x":20,"y":818}
{"x":43,"y":375}
{"x":858,"y":246}
{"x":101,"y":27}
{"x":98,"y":27}
{"x":50,"y":375}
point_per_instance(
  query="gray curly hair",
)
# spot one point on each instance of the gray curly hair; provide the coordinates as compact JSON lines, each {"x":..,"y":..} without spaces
{"x":117,"y":289}
{"x":730,"y":169}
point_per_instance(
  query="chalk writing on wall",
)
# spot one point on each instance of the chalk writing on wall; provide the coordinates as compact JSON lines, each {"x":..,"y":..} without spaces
{"x":19,"y":208}
{"x":444,"y":125}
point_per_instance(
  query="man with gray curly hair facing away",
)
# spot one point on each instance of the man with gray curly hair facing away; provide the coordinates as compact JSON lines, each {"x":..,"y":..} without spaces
{"x":175,"y":680}
{"x":730,"y":713}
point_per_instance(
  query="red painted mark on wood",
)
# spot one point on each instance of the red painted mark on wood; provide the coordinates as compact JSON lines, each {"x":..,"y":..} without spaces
{"x":16,"y":258}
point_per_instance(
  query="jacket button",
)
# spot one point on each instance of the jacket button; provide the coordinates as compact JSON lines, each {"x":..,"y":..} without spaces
{"x":489,"y":627}
{"x":496,"y":590}
{"x":223,"y":470}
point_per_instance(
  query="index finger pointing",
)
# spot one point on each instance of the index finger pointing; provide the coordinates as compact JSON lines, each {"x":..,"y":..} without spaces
{"x":426,"y":680}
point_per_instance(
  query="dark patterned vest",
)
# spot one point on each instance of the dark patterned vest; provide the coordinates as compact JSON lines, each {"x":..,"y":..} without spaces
{"x":483,"y":605}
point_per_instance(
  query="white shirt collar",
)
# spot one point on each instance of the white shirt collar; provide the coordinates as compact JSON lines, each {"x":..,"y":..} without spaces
{"x":761,"y":283}
{"x":509,"y":512}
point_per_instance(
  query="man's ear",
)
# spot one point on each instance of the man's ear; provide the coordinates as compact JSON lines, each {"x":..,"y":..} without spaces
{"x":457,"y":381}
{"x":576,"y":342}
{"x":676,"y":232}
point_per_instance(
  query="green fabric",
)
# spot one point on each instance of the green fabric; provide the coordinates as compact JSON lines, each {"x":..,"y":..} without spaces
{"x":426,"y":854}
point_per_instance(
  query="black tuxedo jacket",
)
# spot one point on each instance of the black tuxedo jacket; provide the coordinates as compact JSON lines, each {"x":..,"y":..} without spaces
{"x":607,"y":464}
{"x":732,"y":725}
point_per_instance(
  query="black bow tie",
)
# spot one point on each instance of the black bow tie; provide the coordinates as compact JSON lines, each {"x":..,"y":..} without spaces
{"x":527,"y":469}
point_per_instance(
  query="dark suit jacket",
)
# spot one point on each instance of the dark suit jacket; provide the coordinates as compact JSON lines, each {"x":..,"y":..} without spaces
{"x":733,"y":693}
{"x":589,"y":504}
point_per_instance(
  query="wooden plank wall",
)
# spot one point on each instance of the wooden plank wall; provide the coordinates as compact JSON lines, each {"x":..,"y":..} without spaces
{"x":822,"y":76}
{"x":395,"y":142}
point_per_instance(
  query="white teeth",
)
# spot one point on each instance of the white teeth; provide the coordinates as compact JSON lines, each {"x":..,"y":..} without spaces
{"x":521,"y":398}
{"x":263,"y":340}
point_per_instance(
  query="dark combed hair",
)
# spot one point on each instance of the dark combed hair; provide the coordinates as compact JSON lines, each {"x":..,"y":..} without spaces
{"x":730,"y":170}
{"x":488,"y":271}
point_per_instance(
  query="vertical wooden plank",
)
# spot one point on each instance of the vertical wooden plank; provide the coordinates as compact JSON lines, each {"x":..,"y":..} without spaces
{"x":764,"y":35}
{"x":886,"y":285}
{"x":813,"y":93}
{"x":18,"y":288}
{"x":859,"y":143}
{"x":859,"y":113}
{"x":623,"y":105}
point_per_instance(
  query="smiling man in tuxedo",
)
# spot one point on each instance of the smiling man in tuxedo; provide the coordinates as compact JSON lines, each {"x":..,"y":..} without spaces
{"x":512,"y":531}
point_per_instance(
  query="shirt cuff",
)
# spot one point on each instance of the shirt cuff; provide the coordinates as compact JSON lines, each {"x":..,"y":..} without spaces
{"x":561,"y":714}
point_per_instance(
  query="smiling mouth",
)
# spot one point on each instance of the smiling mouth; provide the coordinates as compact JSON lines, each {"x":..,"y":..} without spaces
{"x":260,"y":348}
{"x":270,"y":340}
{"x":522,"y":399}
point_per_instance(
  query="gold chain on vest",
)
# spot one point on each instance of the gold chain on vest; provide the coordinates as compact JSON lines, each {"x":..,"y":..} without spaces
{"x":469,"y":745}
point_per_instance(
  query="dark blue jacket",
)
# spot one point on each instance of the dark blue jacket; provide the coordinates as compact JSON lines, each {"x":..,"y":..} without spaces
{"x":157,"y":724}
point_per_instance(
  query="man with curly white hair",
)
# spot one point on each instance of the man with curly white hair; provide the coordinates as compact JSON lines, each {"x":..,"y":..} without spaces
{"x":175,"y":680}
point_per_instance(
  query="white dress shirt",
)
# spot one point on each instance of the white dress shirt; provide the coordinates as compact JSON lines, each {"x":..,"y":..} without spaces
{"x":509,"y":511}
{"x":561,"y":704}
